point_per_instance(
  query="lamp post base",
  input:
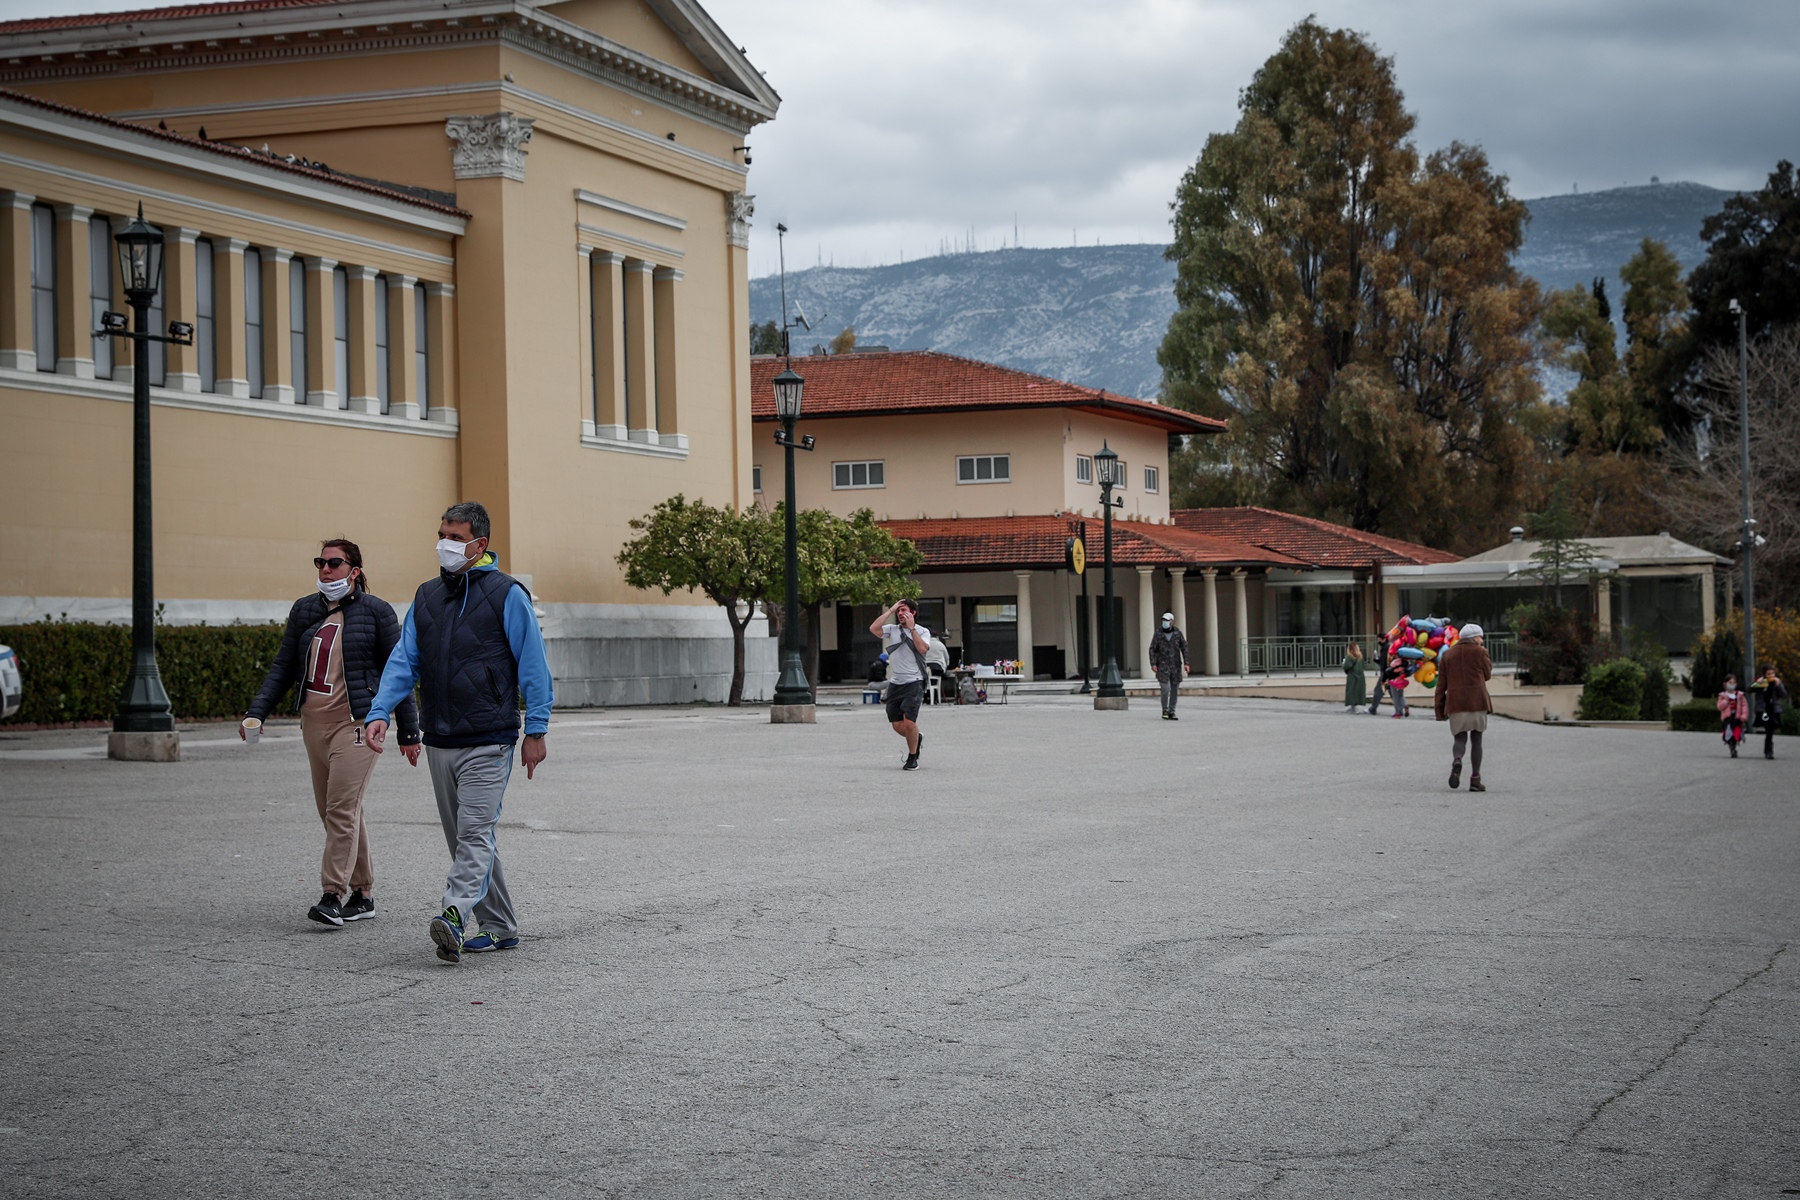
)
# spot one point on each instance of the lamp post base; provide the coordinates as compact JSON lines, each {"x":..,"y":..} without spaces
{"x":1111,"y":703}
{"x":144,"y":747}
{"x":793,"y":714}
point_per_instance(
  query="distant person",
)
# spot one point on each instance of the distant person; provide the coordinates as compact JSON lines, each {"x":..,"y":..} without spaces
{"x":1393,"y":677}
{"x":336,"y":642}
{"x":937,"y":661}
{"x":1356,"y":683}
{"x":1376,"y":660}
{"x":1734,"y":714}
{"x":1462,"y":699}
{"x":1771,"y":697}
{"x":906,"y":643}
{"x":1169,"y":659}
{"x":471,"y":643}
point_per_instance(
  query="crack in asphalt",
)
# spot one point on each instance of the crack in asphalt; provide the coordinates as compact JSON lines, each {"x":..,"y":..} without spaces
{"x":1631,"y":1085}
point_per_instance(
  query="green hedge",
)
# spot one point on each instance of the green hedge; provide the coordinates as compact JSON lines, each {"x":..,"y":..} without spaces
{"x":1614,"y":691}
{"x":1702,"y":716}
{"x":75,"y":670}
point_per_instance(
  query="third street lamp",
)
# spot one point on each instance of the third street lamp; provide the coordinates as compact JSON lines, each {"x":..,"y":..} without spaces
{"x":793,"y":695}
{"x":1111,"y":694}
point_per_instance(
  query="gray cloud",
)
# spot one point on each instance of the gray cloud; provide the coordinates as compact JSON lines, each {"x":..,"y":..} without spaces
{"x":906,"y":123}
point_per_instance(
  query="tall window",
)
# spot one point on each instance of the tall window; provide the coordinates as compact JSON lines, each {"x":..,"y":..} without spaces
{"x":43,"y":285}
{"x":421,"y":356}
{"x":381,"y":341}
{"x":205,"y":306}
{"x":298,"y":333}
{"x":253,"y":320}
{"x":756,"y":477}
{"x":1084,"y":468}
{"x":340,"y":317}
{"x":1152,"y":479}
{"x":100,"y":272}
{"x":984,"y":468}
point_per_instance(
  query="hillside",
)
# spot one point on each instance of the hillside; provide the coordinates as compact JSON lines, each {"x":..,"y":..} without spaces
{"x":1095,"y":315}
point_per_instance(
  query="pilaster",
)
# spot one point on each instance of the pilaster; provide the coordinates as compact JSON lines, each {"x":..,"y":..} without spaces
{"x":403,"y":348}
{"x":640,"y":351}
{"x":607,"y":275}
{"x":74,"y":321}
{"x":365,"y":389}
{"x":180,"y":299}
{"x":668,"y":418}
{"x":278,"y":327}
{"x":231,"y":368}
{"x":321,"y":339}
{"x":15,"y":281}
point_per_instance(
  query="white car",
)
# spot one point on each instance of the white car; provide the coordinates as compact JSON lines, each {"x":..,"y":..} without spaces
{"x":12,"y":687}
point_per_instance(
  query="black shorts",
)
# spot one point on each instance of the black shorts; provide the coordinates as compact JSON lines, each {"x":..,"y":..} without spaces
{"x":903,"y":700}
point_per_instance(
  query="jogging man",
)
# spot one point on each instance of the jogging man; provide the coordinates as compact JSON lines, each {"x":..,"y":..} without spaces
{"x":471,"y":643}
{"x":906,"y":643}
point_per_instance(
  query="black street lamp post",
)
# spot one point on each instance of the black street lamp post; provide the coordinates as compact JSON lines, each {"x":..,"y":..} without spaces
{"x":1111,"y":694}
{"x":144,"y":725}
{"x":1747,"y":539}
{"x":793,"y":695}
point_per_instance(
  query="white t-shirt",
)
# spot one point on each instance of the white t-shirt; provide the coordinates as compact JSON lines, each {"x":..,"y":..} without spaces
{"x":903,"y":664}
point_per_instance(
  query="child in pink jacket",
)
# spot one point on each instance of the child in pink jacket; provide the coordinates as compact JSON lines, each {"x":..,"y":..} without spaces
{"x":1734,"y":712}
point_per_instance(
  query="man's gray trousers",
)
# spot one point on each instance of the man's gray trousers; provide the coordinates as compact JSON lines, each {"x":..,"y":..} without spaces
{"x":470,"y":782}
{"x":1171,"y":687}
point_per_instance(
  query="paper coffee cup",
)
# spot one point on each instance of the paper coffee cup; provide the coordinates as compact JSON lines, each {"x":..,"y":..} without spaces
{"x":252,"y":729}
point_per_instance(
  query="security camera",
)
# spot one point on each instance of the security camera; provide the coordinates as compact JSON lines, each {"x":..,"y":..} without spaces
{"x":1736,"y":309}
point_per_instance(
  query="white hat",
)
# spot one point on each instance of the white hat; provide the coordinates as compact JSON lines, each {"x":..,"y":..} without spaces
{"x":1472,"y":630}
{"x":1168,"y":616}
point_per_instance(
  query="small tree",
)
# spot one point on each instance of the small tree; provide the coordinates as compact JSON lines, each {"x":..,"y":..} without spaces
{"x":849,"y":559}
{"x":765,"y":338}
{"x":844,"y":342}
{"x":733,"y":557}
{"x":1560,"y":553}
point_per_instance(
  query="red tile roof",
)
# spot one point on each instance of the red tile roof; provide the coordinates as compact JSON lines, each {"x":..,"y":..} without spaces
{"x":175,"y":13}
{"x":1308,"y":539}
{"x":239,"y":153}
{"x":1001,"y":543}
{"x":923,"y":381}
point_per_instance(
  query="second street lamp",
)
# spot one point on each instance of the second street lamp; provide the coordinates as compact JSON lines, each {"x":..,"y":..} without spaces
{"x":793,"y":695}
{"x":1111,"y":694}
{"x":144,"y":725}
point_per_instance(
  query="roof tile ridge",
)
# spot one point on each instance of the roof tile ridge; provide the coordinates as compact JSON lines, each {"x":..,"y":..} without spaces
{"x":226,"y":150}
{"x":161,"y":12}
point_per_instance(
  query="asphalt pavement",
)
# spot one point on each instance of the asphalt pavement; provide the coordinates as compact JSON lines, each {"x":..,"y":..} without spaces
{"x":1262,"y":951}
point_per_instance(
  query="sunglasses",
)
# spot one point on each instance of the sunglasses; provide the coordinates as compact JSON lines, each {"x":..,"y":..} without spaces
{"x":333,"y":563}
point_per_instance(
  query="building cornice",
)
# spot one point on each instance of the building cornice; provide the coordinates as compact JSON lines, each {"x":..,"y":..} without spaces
{"x":178,"y":43}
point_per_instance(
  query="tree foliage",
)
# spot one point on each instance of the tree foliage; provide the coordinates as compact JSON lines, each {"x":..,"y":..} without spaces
{"x":1702,"y":478}
{"x":844,"y":342}
{"x":1351,"y":308}
{"x":1561,"y":554}
{"x":1753,"y":257}
{"x":730,"y":556}
{"x":850,"y":559}
{"x":765,"y":338}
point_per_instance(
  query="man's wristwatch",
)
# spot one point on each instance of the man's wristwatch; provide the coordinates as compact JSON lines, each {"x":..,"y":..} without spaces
{"x":538,"y":736}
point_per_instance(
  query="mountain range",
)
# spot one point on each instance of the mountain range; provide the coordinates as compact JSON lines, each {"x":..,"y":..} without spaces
{"x":1094,"y":315}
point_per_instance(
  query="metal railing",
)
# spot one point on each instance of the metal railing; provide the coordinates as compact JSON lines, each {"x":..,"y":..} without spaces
{"x":1325,"y":655}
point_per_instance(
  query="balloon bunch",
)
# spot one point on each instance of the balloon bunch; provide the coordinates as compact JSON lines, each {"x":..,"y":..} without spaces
{"x":1414,"y":644}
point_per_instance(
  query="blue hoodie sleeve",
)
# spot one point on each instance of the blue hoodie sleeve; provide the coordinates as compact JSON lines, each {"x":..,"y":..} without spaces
{"x":527,"y":643}
{"x":400,"y":674}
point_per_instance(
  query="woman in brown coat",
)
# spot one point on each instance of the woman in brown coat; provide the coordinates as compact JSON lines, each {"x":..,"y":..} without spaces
{"x":1462,"y":699}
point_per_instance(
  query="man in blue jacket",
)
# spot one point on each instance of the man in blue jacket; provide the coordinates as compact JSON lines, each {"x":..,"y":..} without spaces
{"x":472,"y":645}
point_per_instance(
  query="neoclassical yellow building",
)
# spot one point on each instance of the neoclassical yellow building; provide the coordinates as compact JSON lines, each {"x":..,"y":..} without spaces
{"x":466,"y":249}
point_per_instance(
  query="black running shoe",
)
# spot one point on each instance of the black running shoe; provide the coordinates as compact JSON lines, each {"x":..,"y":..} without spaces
{"x":327,"y":911}
{"x":358,"y":907}
{"x":911,"y":763}
{"x":921,"y":748}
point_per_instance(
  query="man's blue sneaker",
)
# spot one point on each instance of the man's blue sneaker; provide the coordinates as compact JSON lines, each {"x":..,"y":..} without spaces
{"x":484,"y":941}
{"x":446,"y":931}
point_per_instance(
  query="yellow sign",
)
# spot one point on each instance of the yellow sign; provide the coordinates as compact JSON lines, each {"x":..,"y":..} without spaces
{"x":1077,"y":552}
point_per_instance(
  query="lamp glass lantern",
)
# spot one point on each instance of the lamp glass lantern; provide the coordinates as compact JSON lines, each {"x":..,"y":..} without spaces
{"x":1106,"y":463}
{"x":788,"y":386}
{"x":140,"y":259}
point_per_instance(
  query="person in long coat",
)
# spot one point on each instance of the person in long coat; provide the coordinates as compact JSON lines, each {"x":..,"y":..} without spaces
{"x":1356,"y":684}
{"x":1462,"y":699}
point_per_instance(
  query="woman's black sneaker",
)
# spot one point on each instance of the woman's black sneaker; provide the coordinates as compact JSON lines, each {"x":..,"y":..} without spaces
{"x":327,"y":911}
{"x":358,"y":907}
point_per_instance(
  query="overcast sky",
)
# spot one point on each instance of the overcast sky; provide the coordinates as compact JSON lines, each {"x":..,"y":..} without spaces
{"x":907,"y":125}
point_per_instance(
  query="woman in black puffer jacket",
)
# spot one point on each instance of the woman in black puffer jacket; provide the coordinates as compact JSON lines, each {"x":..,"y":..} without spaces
{"x":337,"y":641}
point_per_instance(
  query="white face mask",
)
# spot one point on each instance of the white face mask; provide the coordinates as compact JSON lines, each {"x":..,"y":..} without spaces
{"x":336,"y":589}
{"x":452,"y":556}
